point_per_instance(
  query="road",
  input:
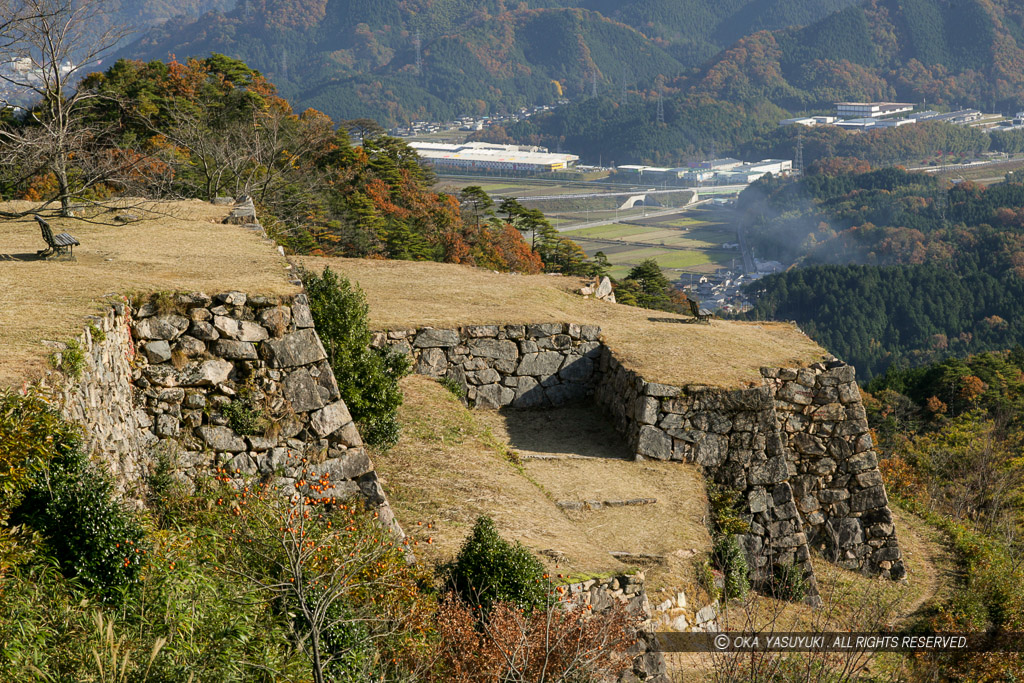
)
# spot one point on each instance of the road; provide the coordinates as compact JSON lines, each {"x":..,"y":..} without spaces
{"x":748,"y":259}
{"x":718,"y":189}
{"x":612,"y":221}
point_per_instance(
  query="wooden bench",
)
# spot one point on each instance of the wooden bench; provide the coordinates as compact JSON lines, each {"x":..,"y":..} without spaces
{"x":57,"y":245}
{"x":702,"y":315}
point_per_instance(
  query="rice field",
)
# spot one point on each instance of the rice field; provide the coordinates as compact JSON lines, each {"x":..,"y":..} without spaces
{"x":680,"y":245}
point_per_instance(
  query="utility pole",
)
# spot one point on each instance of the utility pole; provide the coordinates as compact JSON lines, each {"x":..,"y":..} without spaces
{"x":798,"y":162}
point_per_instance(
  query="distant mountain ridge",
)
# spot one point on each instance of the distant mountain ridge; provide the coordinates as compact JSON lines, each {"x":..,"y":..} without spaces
{"x":967,"y":53}
{"x":356,"y":58}
{"x":939,"y":51}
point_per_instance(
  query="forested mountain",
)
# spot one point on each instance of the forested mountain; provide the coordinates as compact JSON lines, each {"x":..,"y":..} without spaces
{"x":141,"y":15}
{"x":358,"y":58}
{"x":941,"y":267}
{"x":939,"y":52}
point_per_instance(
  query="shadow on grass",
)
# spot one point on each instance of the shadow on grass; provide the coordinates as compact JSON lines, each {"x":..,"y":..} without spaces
{"x":575,"y":429}
{"x":683,"y":321}
{"x":31,"y":256}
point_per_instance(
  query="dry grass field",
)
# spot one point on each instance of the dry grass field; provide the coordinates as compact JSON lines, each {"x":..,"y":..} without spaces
{"x":665,"y":347}
{"x":453,"y":464}
{"x":178,"y":246}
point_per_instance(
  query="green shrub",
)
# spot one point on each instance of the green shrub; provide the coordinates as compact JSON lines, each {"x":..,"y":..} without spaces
{"x":489,"y":569}
{"x":98,"y":335}
{"x":452,"y":385}
{"x":706,"y":580}
{"x":70,"y":360}
{"x":726,"y":511}
{"x":244,"y":414}
{"x":788,"y":582}
{"x":367,"y":377}
{"x":90,"y":534}
{"x":31,"y":433}
{"x":728,"y":556}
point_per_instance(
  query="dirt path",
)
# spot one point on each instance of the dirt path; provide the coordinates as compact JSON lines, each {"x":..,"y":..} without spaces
{"x":930,"y":565}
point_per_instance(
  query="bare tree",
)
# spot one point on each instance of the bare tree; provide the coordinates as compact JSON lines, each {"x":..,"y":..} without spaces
{"x":49,"y":45}
{"x":250,"y":152}
{"x":326,"y":565}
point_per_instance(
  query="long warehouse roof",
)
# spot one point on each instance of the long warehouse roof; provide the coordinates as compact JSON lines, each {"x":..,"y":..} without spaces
{"x":496,"y":153}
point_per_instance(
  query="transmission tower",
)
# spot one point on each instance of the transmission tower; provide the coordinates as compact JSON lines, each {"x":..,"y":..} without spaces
{"x":625,"y":93}
{"x":284,"y":62}
{"x":798,"y":161}
{"x":661,"y":111}
{"x":593,"y":84}
{"x":419,"y":58}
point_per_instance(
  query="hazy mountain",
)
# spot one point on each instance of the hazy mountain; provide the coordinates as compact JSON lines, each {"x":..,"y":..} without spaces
{"x":359,"y":57}
{"x":940,"y":52}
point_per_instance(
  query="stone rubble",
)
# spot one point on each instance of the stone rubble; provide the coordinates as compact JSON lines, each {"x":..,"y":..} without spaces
{"x":600,"y":288}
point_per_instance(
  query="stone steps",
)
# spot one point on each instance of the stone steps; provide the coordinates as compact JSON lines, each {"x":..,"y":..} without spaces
{"x":577,"y":505}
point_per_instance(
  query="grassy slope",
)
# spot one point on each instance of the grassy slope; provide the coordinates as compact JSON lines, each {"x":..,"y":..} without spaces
{"x":179,"y":246}
{"x":453,"y":464}
{"x":662,"y":346}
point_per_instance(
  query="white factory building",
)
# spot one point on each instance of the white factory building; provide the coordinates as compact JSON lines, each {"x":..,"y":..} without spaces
{"x":486,"y":157}
{"x":715,"y":170}
{"x":858,"y":110}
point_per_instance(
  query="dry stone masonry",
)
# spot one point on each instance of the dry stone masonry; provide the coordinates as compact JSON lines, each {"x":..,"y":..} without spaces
{"x":600,"y":594}
{"x":734,"y":435}
{"x":102,"y":400}
{"x":797,"y":447}
{"x":834,"y":471}
{"x":523,"y":366}
{"x":232,"y":382}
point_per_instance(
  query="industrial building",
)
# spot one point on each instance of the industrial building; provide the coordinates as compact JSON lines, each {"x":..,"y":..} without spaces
{"x":729,"y":171}
{"x":484,"y":157}
{"x":861,"y":124}
{"x":808,"y":121}
{"x":858,"y":110}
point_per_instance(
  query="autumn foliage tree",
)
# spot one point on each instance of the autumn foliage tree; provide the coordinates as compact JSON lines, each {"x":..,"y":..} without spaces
{"x":562,"y":642}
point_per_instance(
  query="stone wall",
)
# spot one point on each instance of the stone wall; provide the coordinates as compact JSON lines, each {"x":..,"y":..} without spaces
{"x":797,"y":447}
{"x":523,"y":366}
{"x":600,"y":594}
{"x":183,"y":380}
{"x":734,"y":435}
{"x":833,"y":471}
{"x":102,"y":400}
